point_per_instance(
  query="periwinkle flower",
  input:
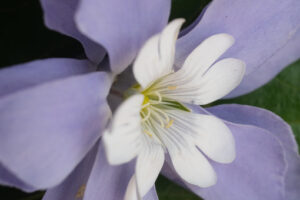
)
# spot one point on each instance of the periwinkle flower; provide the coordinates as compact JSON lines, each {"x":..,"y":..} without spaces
{"x":154,"y":120}
{"x":53,"y":111}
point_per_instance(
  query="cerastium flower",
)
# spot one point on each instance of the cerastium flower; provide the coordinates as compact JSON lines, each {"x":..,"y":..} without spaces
{"x":156,"y":119}
{"x":60,"y":107}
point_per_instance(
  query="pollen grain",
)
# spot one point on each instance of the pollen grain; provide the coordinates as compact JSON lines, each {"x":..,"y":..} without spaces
{"x":169,"y":123}
{"x":148,"y":133}
{"x":172,"y":87}
{"x":80,"y":192}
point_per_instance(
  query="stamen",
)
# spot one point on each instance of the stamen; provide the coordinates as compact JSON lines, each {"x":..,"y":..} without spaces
{"x":159,"y":118}
{"x":153,"y":101}
{"x":147,"y":116}
{"x":159,"y":97}
{"x":145,"y":105}
{"x":162,"y":112}
{"x":169,"y":123}
{"x":148,"y":133}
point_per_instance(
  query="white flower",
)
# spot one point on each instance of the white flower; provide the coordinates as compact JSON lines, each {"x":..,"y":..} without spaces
{"x":154,"y":121}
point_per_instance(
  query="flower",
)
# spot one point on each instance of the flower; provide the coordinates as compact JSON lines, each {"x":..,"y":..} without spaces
{"x":155,"y":120}
{"x":53,"y":111}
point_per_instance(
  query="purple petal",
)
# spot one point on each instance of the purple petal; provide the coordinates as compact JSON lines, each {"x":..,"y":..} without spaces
{"x":259,"y":117}
{"x":267,"y":71}
{"x":257,"y":172}
{"x":74,"y":186}
{"x":59,"y":16}
{"x":122,"y":26}
{"x":9,"y":179}
{"x":110,"y":182}
{"x":46,"y":130}
{"x":267,"y":36}
{"x":280,"y":129}
{"x":292,"y":179}
{"x":30,"y":74}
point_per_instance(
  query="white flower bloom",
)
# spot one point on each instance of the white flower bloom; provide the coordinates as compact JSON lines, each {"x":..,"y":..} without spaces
{"x":154,"y":121}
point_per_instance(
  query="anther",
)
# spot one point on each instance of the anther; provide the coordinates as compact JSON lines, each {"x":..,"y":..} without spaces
{"x":172,"y":87}
{"x":148,"y":133}
{"x":169,"y":123}
{"x":80,"y":192}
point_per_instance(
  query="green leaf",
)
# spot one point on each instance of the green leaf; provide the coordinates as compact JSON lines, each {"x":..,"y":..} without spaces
{"x":281,"y":96}
{"x":167,"y":190}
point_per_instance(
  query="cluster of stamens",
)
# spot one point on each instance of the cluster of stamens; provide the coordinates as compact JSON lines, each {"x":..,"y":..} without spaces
{"x":155,"y":106}
{"x":153,"y":111}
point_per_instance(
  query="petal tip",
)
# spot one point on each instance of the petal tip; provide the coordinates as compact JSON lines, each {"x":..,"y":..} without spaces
{"x":178,"y":21}
{"x":227,"y":37}
{"x":105,"y":141}
{"x":208,"y":182}
{"x":229,"y":158}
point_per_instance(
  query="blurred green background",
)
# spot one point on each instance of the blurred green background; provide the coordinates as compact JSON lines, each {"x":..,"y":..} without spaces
{"x":23,"y":37}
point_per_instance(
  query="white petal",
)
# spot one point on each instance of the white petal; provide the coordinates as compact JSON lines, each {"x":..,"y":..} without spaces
{"x":157,"y":55}
{"x":221,"y":79}
{"x":168,"y":42}
{"x":128,"y":112}
{"x":131,"y":191}
{"x":215,"y":139}
{"x":122,"y":140}
{"x":193,"y":167}
{"x":218,"y":81}
{"x":148,"y":166}
{"x":209,"y":133}
{"x":120,"y":149}
{"x":207,"y":53}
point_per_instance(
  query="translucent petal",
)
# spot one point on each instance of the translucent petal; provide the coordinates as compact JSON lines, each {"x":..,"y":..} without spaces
{"x":122,"y":139}
{"x":157,"y":55}
{"x":131,"y":191}
{"x":218,"y":81}
{"x":193,"y":167}
{"x":209,"y":133}
{"x":215,"y":139}
{"x":204,"y":55}
{"x":148,"y":166}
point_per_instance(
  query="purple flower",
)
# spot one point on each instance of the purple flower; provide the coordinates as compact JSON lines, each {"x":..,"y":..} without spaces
{"x":53,"y":111}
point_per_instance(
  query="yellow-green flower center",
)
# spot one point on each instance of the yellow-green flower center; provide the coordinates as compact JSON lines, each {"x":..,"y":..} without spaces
{"x":154,"y":108}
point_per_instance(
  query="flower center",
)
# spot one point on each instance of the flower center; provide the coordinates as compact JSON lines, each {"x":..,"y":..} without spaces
{"x":154,"y":110}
